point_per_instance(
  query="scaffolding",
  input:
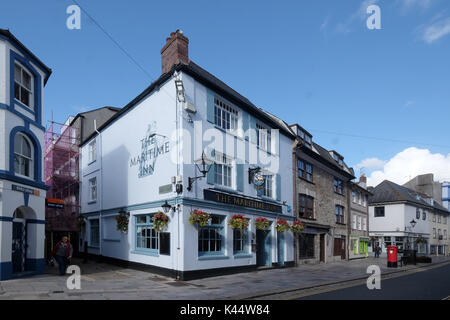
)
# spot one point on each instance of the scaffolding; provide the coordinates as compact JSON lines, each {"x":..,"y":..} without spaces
{"x":61,"y":175}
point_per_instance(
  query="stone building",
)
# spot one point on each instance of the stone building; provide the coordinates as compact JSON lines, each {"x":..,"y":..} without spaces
{"x":358,"y":219}
{"x":321,"y":200}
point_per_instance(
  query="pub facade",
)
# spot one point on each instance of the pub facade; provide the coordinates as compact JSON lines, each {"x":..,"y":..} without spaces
{"x":186,"y":148}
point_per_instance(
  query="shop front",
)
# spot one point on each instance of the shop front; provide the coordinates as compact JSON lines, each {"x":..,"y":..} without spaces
{"x":359,"y":247}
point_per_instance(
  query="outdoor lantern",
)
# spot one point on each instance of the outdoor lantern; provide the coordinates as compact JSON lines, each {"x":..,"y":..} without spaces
{"x":413,"y":223}
{"x":203,"y":165}
{"x":166,"y":207}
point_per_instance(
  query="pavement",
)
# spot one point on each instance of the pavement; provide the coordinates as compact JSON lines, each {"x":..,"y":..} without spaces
{"x":101,"y":281}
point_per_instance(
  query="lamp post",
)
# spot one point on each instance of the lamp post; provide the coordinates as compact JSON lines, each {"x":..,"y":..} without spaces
{"x":413,"y":224}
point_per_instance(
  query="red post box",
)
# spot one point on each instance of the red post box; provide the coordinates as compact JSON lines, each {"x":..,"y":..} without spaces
{"x":392,"y":257}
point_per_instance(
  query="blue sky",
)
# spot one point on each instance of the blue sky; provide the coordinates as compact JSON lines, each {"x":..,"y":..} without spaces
{"x":369,"y":94}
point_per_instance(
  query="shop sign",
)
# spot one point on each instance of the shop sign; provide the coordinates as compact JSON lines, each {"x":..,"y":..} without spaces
{"x":240,"y":201}
{"x":25,"y":190}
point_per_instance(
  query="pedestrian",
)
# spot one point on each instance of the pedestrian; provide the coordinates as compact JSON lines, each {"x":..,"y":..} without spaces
{"x":377,"y":251}
{"x":63,"y":253}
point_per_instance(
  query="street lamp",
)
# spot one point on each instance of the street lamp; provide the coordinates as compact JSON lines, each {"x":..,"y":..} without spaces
{"x":413,"y":224}
{"x":203,"y":165}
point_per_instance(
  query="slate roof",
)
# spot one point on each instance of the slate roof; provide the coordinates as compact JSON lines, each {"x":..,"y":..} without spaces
{"x":388,"y":191}
{"x":209,"y":81}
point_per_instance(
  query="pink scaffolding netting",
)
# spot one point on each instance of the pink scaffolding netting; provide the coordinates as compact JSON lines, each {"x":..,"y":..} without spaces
{"x":61,"y":155}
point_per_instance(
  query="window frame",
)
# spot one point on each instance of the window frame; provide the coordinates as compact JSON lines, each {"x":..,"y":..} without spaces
{"x":90,"y":187}
{"x":221,"y":233}
{"x":303,"y":173}
{"x":263,"y":137}
{"x":22,"y":86}
{"x":265,"y":191}
{"x":306,"y":208}
{"x":376,"y":212}
{"x":338,"y":186}
{"x":304,"y":243}
{"x":227,"y":114}
{"x":242,"y":241}
{"x":29,"y":159}
{"x":92,"y":151}
{"x":153,"y":234}
{"x":223,"y":161}
{"x":339,"y":214}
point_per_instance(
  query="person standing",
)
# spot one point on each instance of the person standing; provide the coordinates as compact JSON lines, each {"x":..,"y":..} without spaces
{"x":377,"y":251}
{"x":63,"y":253}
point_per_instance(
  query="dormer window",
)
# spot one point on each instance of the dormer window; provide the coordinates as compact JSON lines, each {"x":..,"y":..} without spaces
{"x":23,"y":85}
{"x":305,"y":137}
{"x":339,"y":159}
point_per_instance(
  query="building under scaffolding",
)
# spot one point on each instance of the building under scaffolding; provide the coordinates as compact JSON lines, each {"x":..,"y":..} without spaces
{"x":61,"y":175}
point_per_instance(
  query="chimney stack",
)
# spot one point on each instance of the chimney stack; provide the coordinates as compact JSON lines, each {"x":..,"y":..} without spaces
{"x":363,"y":181}
{"x":175,"y":51}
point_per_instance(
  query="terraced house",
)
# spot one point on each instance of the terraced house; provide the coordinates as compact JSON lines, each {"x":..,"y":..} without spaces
{"x":22,"y":191}
{"x":358,"y":225}
{"x":321,"y":188}
{"x":408,"y":219}
{"x":187,"y":146}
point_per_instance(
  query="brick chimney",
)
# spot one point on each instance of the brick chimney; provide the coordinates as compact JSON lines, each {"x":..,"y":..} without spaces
{"x":175,"y":51}
{"x":363,"y":181}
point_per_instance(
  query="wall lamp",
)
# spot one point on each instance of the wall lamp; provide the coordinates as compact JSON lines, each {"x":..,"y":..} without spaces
{"x":167,"y":207}
{"x":203,"y":165}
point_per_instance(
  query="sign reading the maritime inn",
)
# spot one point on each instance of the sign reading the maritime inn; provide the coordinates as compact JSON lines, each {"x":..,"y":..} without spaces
{"x":241,"y":201}
{"x":150,"y":151}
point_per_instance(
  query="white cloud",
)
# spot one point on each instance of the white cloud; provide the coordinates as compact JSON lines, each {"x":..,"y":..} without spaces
{"x":435,"y":31}
{"x":408,"y":164}
{"x":370,"y":164}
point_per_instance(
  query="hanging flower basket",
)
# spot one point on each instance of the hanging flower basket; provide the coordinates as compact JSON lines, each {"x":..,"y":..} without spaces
{"x":199,"y":217}
{"x":160,"y":221}
{"x":122,"y":222}
{"x":238,"y":221}
{"x":282,"y":225}
{"x":297,"y":227}
{"x":262,"y":224}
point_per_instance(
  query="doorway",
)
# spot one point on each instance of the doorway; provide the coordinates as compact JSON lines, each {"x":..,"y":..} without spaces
{"x":18,"y":245}
{"x":322,"y":248}
{"x":263,"y":248}
{"x":280,"y":248}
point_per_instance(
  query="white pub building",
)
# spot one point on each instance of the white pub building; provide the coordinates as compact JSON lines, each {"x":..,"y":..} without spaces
{"x":22,"y":191}
{"x":188,"y":143}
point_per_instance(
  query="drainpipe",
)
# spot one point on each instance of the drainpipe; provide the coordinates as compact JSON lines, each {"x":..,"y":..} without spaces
{"x":101,"y":179}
